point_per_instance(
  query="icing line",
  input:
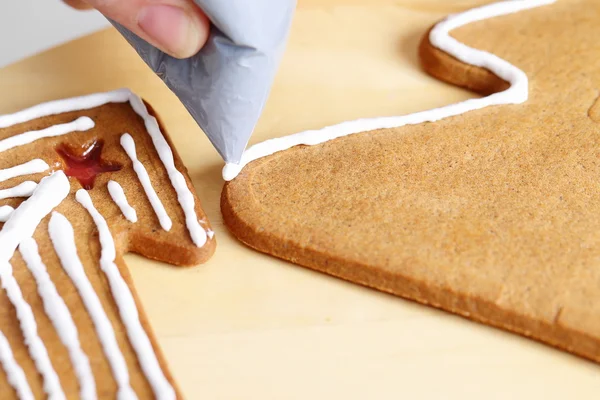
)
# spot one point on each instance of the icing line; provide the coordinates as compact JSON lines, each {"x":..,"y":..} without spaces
{"x":24,"y":189}
{"x":61,"y":106}
{"x":5,"y":213}
{"x":126,"y":304}
{"x":79,"y":125}
{"x":184,"y":194}
{"x":22,"y":223}
{"x":14,"y":372}
{"x":34,"y":343}
{"x":63,"y":240}
{"x":439,"y":37}
{"x":159,"y":209}
{"x":61,"y":318}
{"x":31,"y":167}
{"x":118,"y":195}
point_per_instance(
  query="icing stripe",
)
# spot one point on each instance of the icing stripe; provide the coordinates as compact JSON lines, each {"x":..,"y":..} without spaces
{"x":126,"y":304}
{"x":22,"y":223}
{"x":61,"y":319}
{"x":31,"y":167}
{"x":439,"y":37}
{"x":36,"y":347}
{"x":184,"y":194}
{"x":24,"y":189}
{"x":118,"y":195}
{"x":63,"y":239}
{"x":14,"y":372}
{"x":80,"y":124}
{"x":5,"y":213}
{"x":159,"y":209}
{"x":66,"y":105}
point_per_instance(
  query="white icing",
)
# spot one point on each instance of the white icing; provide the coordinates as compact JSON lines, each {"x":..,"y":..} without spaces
{"x":36,"y":347}
{"x":126,"y":304}
{"x":61,"y":106}
{"x":24,"y":189}
{"x":63,"y":239}
{"x":31,"y":167}
{"x":439,"y":37}
{"x":14,"y":372}
{"x":184,"y":194}
{"x":5,"y":213}
{"x":80,"y":124}
{"x":159,"y":209}
{"x":118,"y":195}
{"x":209,"y":232}
{"x":21,"y":225}
{"x":61,"y":319}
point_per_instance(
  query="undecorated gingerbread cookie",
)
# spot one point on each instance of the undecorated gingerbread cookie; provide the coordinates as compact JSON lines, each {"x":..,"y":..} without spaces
{"x":82,"y":182}
{"x":489,"y":208}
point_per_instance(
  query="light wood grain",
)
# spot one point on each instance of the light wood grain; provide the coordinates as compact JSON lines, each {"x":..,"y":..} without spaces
{"x":246,"y":326}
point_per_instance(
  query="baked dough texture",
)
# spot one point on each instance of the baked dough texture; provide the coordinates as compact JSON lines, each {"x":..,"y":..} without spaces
{"x":144,"y":237}
{"x":493,"y":214}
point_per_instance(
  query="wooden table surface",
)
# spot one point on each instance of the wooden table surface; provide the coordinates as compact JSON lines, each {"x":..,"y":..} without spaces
{"x":247,"y":326}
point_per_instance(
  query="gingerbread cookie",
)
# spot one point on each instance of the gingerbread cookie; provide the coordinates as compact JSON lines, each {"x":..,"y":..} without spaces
{"x":488,"y":208}
{"x":82,"y":182}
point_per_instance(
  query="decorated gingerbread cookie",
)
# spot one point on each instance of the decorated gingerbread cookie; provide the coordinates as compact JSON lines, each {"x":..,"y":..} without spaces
{"x":489,"y":208}
{"x":82,"y":182}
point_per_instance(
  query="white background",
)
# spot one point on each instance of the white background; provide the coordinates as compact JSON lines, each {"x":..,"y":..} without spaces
{"x":30,"y":26}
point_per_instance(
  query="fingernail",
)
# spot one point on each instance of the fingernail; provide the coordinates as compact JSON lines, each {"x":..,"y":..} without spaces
{"x":171,"y":29}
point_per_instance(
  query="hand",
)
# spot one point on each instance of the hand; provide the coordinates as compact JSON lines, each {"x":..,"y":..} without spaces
{"x":177,"y":27}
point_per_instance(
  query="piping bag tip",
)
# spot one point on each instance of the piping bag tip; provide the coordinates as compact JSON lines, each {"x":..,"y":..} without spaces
{"x":226,"y":85}
{"x":231,"y":170}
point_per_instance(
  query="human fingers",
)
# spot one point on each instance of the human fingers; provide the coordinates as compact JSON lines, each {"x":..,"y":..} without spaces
{"x":78,"y":4}
{"x":177,"y":27}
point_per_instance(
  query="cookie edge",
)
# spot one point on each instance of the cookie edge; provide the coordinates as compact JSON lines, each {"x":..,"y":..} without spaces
{"x":446,"y":68}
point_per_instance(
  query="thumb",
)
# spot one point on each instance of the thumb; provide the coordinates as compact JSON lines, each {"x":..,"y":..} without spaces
{"x":177,"y":27}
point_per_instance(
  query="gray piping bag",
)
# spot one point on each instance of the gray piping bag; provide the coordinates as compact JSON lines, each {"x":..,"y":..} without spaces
{"x":225,"y":86}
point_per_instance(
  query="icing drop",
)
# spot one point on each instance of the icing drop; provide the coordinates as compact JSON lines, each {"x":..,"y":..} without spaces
{"x":163,"y":218}
{"x":209,"y":232}
{"x":86,"y":166}
{"x":61,"y":319}
{"x":31,"y":167}
{"x":24,"y":189}
{"x":184,"y":194}
{"x":126,"y":304}
{"x":63,"y":239}
{"x":118,"y":195}
{"x":439,"y":37}
{"x":36,"y":347}
{"x":5,"y":213}
{"x":79,"y":125}
{"x":14,"y":372}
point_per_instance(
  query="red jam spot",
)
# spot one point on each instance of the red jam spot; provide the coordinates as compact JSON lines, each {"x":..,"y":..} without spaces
{"x":87,"y":163}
